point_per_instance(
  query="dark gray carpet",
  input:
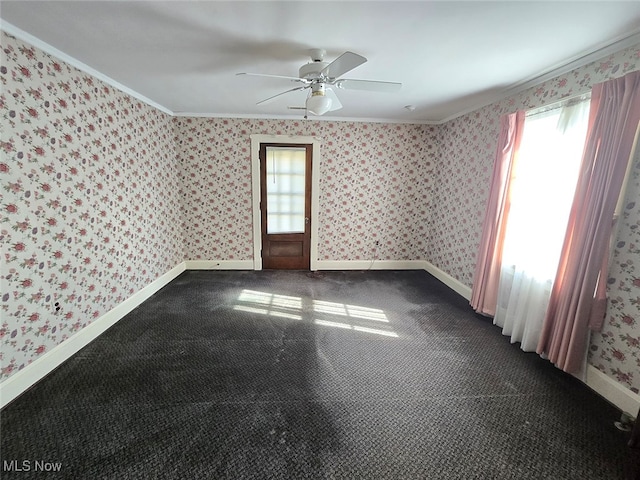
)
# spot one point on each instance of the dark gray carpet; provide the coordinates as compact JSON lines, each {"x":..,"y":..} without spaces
{"x":346,"y":375}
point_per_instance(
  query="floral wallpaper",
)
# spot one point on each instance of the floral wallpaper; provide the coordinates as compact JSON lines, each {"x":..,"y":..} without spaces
{"x":616,"y":349}
{"x":460,"y":192}
{"x":102,"y":194}
{"x":87,"y":212}
{"x":375,"y":185}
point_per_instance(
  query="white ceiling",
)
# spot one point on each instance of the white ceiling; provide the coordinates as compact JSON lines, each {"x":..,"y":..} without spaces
{"x":450,"y":56}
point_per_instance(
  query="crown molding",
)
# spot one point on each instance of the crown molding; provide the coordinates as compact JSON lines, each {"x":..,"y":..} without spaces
{"x":323,"y":118}
{"x":586,"y":57}
{"x":45,"y":47}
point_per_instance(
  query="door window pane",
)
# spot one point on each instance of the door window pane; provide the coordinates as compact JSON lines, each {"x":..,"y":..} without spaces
{"x":285,"y":189}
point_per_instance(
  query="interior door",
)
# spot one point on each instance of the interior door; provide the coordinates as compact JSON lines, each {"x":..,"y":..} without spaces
{"x":285,"y":204}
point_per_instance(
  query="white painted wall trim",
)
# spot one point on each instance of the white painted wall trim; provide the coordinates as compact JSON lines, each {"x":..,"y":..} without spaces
{"x":444,"y":277}
{"x":369,"y":265}
{"x":448,"y":280}
{"x":45,"y":47}
{"x":599,"y":382}
{"x":20,"y":381}
{"x":300,"y":117}
{"x":614,"y":392}
{"x":256,"y":140}
{"x":595,"y":53}
{"x":607,"y":387}
{"x":219,"y":265}
{"x":315,"y":202}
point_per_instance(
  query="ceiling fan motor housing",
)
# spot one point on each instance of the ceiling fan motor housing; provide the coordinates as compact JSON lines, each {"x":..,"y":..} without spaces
{"x":317,"y":89}
{"x":312,"y":70}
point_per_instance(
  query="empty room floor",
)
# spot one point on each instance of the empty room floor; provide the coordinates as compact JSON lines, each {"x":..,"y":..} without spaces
{"x":289,"y":374}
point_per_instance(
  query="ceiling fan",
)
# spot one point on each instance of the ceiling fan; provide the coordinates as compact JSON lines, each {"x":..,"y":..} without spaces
{"x":319,"y":77}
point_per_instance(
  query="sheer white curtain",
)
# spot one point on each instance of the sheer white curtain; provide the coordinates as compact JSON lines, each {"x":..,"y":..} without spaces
{"x":544,"y":183}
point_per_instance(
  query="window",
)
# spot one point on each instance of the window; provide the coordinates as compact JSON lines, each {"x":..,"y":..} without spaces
{"x":543,"y":183}
{"x":543,"y":186}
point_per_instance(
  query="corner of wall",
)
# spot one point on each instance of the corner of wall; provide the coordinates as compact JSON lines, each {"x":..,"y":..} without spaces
{"x":454,"y":284}
{"x":22,"y":380}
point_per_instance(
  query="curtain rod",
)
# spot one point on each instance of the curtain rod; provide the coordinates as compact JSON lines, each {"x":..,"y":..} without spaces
{"x":578,"y":97}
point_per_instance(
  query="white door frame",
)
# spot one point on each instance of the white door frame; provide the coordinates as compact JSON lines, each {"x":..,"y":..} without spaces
{"x":256,"y":140}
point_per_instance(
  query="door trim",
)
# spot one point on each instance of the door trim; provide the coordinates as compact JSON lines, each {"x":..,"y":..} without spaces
{"x":256,"y":140}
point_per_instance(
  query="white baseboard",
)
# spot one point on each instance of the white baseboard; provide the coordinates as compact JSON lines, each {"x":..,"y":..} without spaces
{"x":614,"y":392}
{"x":607,"y":387}
{"x":219,"y":264}
{"x":444,"y":277}
{"x":20,"y":381}
{"x":599,"y":382}
{"x":448,"y":280}
{"x":369,"y":265}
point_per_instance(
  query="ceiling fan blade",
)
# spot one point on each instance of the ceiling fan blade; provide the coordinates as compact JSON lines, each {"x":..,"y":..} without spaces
{"x":343,"y":64}
{"x":277,"y":95}
{"x":368,"y":85}
{"x":284,"y":77}
{"x":335,"y":103}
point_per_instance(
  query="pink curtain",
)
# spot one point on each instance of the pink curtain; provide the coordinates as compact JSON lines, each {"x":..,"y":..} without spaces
{"x":486,"y":279}
{"x":578,"y":297}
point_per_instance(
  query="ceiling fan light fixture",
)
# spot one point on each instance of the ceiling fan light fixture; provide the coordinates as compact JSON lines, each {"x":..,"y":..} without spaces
{"x":318,"y":74}
{"x":318,"y":103}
